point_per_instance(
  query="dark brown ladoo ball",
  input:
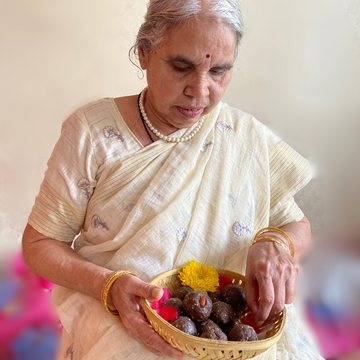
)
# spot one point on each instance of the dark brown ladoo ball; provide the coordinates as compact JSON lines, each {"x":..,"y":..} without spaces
{"x":185,"y":324}
{"x":174,"y":302}
{"x":197,"y":305}
{"x":205,"y":325}
{"x":242,"y":332}
{"x":181,"y":292}
{"x":214,"y":296}
{"x":214,"y":334}
{"x":228,"y":327}
{"x":235,"y":296}
{"x":222,"y":313}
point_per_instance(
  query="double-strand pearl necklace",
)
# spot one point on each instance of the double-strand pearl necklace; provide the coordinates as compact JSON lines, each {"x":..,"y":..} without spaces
{"x":162,"y":136}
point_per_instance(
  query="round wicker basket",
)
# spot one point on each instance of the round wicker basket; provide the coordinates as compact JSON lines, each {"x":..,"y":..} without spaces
{"x":199,"y":348}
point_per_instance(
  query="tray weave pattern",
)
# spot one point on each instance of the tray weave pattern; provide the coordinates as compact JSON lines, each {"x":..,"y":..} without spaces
{"x":206,"y":349}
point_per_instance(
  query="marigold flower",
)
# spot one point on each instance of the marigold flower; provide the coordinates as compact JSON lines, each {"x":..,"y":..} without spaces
{"x":199,"y":276}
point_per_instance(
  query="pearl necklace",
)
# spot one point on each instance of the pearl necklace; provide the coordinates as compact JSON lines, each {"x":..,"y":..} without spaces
{"x":159,"y":134}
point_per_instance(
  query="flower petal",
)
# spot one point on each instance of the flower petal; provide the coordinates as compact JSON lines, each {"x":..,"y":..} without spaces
{"x":249,"y":320}
{"x":223,"y":281}
{"x":168,"y":313}
{"x":166,"y":296}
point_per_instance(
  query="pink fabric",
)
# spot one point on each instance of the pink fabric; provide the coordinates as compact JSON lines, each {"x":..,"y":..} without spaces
{"x":25,"y":307}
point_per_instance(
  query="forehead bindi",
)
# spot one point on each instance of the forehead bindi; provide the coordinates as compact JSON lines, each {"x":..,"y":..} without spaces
{"x":207,"y":56}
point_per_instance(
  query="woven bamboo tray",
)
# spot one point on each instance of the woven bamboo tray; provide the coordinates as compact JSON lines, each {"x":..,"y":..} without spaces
{"x":206,"y":349}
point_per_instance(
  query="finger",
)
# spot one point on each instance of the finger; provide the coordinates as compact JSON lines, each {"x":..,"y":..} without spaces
{"x":252,"y":295}
{"x":290,"y":285}
{"x":138,"y":328}
{"x":159,"y":346}
{"x":279,"y":284}
{"x":138,"y":301}
{"x":266,"y":300}
{"x":141,"y":288}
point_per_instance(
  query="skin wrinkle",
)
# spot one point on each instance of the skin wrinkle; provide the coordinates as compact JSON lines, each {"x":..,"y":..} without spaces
{"x":196,"y":88}
{"x":269,"y":289}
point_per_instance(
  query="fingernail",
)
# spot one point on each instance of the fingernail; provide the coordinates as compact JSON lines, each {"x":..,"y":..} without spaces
{"x":156,"y":292}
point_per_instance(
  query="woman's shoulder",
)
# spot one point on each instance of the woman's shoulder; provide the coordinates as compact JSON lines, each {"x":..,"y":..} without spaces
{"x":246,"y":126}
{"x":97,"y":118}
{"x":94,"y":110}
{"x":239,"y":116}
{"x":103,"y":126}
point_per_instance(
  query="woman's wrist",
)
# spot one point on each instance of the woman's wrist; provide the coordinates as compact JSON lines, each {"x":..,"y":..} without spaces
{"x":275,"y":235}
{"x":274,"y":240}
{"x":106,"y":291}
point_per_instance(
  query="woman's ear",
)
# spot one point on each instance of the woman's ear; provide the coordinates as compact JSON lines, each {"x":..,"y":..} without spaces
{"x":143,"y":58}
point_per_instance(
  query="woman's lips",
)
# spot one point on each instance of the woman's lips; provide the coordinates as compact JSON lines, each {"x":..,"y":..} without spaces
{"x":190,"y":113}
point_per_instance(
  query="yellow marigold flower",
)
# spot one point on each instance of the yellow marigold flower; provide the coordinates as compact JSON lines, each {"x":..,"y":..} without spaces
{"x":199,"y":276}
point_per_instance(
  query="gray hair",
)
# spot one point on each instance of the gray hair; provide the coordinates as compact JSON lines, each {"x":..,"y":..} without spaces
{"x":163,"y":15}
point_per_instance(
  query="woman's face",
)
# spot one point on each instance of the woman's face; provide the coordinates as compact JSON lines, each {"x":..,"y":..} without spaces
{"x":188,"y":73}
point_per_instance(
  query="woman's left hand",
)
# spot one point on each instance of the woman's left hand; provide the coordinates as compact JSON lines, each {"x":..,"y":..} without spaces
{"x":271,"y":275}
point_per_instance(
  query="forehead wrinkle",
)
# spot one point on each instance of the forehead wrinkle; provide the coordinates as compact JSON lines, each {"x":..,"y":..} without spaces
{"x":185,"y":60}
{"x":225,"y":66}
{"x":182,"y":59}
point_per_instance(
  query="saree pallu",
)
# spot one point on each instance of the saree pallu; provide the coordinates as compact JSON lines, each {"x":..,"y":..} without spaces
{"x":152,"y":209}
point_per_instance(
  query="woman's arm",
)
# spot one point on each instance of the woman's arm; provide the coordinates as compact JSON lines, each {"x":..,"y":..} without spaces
{"x":57,"y":262}
{"x":271,"y":272}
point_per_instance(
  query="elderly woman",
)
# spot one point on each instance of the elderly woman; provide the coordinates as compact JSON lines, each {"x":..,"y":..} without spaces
{"x":153,"y":181}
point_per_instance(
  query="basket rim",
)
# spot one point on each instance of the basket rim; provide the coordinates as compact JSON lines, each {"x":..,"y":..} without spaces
{"x":214,"y":344}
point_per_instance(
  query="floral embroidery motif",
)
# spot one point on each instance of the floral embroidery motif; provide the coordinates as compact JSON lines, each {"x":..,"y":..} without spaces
{"x":70,"y":352}
{"x":205,"y":145}
{"x":181,"y":234}
{"x":110,"y":132}
{"x":224,"y":127}
{"x":84,"y":185}
{"x":240,"y":229}
{"x":232,"y":199}
{"x":96,"y":222}
{"x":129,"y":207}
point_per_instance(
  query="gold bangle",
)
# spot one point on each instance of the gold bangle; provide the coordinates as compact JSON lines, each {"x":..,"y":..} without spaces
{"x":269,"y":239}
{"x":106,"y":287}
{"x":278,"y":231}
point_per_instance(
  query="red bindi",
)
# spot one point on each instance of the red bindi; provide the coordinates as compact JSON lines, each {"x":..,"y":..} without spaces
{"x":207,"y":55}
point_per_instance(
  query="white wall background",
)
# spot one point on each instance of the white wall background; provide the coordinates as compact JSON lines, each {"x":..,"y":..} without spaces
{"x":298,"y":72}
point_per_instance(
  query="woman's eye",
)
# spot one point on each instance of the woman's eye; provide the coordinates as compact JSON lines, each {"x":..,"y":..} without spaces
{"x":217,"y":72}
{"x":181,"y":69}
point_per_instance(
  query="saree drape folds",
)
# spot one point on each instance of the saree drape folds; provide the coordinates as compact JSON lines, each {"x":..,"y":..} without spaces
{"x":152,"y":209}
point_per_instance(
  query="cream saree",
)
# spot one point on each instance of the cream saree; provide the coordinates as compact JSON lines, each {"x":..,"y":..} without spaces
{"x":152,"y":209}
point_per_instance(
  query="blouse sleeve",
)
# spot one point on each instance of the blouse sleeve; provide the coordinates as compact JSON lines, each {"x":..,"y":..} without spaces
{"x":289,"y":172}
{"x":69,"y":182}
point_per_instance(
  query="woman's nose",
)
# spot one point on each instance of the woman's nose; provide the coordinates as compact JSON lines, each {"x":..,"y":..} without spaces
{"x":198,"y":87}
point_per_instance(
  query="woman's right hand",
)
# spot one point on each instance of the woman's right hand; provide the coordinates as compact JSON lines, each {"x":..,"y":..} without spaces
{"x":125,"y":295}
